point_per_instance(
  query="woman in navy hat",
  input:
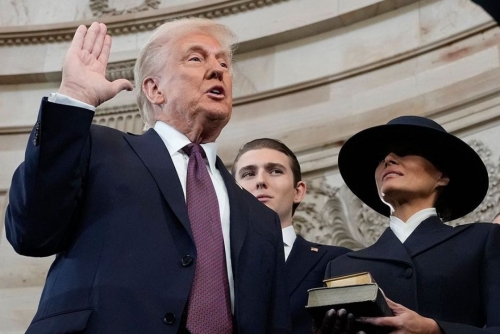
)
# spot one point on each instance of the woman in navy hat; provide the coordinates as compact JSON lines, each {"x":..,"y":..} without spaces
{"x":438,"y":278}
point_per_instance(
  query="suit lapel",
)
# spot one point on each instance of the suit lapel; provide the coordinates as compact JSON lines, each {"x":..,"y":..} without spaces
{"x":386,"y":248}
{"x":238,"y":213}
{"x":300,"y":261}
{"x":430,"y":233}
{"x":155,"y":156}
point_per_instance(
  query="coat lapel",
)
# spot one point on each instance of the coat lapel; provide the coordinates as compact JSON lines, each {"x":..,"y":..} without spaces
{"x":300,"y":262}
{"x":155,"y":156}
{"x":386,"y":248}
{"x":430,"y":233}
{"x":238,"y":214}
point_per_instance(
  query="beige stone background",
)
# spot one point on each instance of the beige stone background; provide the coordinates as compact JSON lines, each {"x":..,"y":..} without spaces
{"x":308,"y":72}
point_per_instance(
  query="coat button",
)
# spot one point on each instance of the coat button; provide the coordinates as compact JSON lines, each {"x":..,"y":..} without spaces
{"x":169,"y":318}
{"x":408,"y":273}
{"x":187,"y":260}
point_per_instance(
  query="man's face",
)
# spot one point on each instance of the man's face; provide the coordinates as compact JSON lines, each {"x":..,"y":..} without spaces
{"x":196,"y":84}
{"x":267,"y":174}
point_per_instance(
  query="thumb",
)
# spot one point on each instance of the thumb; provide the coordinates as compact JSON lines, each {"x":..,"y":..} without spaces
{"x":379,"y":321}
{"x":121,"y":84}
{"x":392,"y":304}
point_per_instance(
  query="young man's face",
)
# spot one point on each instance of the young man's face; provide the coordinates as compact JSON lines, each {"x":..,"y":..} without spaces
{"x":267,"y":174}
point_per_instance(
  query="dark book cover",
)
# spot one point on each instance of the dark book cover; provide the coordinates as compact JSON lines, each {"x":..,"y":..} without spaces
{"x":365,"y":300}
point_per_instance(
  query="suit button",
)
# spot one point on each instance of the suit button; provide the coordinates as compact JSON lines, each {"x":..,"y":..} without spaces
{"x":187,"y":260}
{"x":169,"y":318}
{"x":408,"y":273}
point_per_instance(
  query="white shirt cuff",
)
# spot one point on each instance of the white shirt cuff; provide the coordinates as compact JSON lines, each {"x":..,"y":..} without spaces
{"x":69,"y":101}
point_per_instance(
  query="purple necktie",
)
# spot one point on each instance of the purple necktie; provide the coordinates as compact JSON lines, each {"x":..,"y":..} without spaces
{"x":209,"y":309}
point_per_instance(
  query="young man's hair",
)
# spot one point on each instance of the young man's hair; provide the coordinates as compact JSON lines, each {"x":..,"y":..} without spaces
{"x":272,"y":144}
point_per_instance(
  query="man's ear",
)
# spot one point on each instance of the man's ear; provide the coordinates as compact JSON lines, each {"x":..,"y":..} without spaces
{"x":300,"y":192}
{"x":150,"y":87}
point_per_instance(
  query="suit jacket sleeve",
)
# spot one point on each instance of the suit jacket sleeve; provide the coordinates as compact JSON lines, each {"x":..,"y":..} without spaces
{"x":490,"y":290}
{"x":47,"y":187}
{"x":281,"y":302}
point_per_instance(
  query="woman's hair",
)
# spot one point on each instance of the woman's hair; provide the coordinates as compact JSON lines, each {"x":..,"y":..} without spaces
{"x":442,"y":206}
{"x":153,"y":57}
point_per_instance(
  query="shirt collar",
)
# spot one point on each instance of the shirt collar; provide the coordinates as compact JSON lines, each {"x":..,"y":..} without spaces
{"x":403,"y":230}
{"x":175,"y":141}
{"x":289,"y":236}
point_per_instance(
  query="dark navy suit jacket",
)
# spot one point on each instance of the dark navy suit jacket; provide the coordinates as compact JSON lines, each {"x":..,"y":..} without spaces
{"x":111,"y":207}
{"x":305,"y":269}
{"x":449,"y":274}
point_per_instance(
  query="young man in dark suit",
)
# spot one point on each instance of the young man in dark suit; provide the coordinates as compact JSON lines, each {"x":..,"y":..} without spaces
{"x":270,"y":171}
{"x":151,"y":233}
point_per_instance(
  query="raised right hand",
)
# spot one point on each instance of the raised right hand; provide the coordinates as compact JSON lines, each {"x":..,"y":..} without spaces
{"x":84,"y":67}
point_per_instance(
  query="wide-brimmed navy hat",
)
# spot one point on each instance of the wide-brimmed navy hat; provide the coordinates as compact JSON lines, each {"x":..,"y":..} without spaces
{"x":360,"y":155}
{"x":492,"y":7}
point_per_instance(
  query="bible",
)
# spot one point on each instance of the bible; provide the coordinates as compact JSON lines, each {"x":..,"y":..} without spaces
{"x":352,"y":279}
{"x":358,"y":294}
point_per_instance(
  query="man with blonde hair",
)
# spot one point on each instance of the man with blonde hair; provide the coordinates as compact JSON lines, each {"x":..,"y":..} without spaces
{"x":151,"y":233}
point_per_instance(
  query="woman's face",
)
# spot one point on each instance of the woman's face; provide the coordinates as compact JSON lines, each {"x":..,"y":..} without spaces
{"x":406,"y":179}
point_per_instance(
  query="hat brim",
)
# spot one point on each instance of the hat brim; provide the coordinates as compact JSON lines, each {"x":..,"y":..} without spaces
{"x":492,"y":7}
{"x":360,"y":155}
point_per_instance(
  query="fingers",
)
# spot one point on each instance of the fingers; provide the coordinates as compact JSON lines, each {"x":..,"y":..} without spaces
{"x":350,"y":322}
{"x":391,"y":303}
{"x":91,"y":37}
{"x":328,"y":321}
{"x":340,"y":321}
{"x":382,"y":321}
{"x":337,"y":322}
{"x":78,"y":38}
{"x":105,"y":50}
{"x":98,"y":44}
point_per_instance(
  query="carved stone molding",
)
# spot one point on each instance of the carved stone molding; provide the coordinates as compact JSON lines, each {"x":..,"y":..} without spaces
{"x":334,"y":215}
{"x":124,"y":109}
{"x":101,"y":7}
{"x":121,"y":70}
{"x":127,"y":122}
{"x":127,"y":23}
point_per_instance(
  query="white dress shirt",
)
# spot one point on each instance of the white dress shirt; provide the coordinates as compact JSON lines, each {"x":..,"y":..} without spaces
{"x":289,"y":237}
{"x":175,"y":141}
{"x":403,"y":230}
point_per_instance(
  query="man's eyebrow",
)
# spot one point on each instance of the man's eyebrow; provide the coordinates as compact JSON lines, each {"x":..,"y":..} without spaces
{"x":271,"y":165}
{"x":247,"y":168}
{"x":201,"y":49}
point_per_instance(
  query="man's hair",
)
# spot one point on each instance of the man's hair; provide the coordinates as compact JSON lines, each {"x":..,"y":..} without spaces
{"x":153,"y":56}
{"x":276,"y":145}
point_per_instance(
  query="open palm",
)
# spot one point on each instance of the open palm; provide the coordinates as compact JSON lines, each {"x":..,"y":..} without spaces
{"x":84,"y":68}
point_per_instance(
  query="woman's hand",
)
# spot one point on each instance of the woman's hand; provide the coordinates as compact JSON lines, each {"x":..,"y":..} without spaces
{"x":404,"y":321}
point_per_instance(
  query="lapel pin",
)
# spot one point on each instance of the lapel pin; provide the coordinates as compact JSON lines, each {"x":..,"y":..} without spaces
{"x":314,"y":249}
